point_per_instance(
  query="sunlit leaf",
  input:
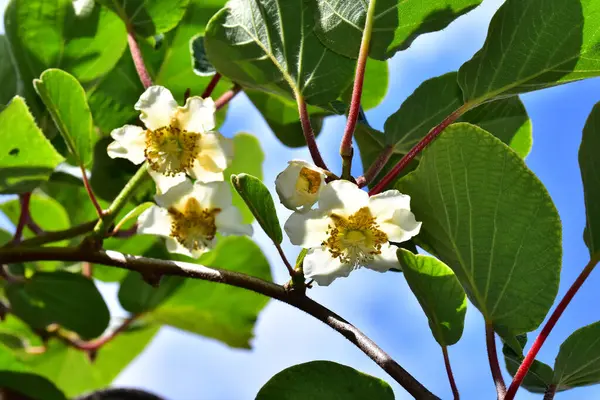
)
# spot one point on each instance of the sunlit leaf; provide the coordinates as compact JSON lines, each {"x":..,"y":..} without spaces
{"x":578,"y":361}
{"x":589,"y":163}
{"x":8,"y":72}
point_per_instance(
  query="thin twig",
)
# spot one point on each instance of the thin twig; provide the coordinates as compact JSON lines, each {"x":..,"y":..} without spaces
{"x":450,"y":374}
{"x":539,"y":341}
{"x":33,"y":226}
{"x":376,"y":167}
{"x":57,"y":236}
{"x":490,"y":341}
{"x":96,"y":344}
{"x":284,"y":259}
{"x":359,"y":78}
{"x":309,"y":134}
{"x":211,"y":85}
{"x":163,"y":267}
{"x":138,"y":58}
{"x":227,"y":96}
{"x":23,"y":217}
{"x":90,"y":192}
{"x":393,"y":173}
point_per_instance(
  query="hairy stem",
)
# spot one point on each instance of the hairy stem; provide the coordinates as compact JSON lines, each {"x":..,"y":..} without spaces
{"x":163,"y":267}
{"x":211,"y":85}
{"x":138,"y":59}
{"x":450,"y":374}
{"x":490,"y":341}
{"x":227,"y":96}
{"x":376,"y":167}
{"x":309,"y":134}
{"x":90,"y":192}
{"x":539,"y":341}
{"x":434,"y":133}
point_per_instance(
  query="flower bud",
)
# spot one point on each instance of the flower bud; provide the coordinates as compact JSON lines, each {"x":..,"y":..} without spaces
{"x":299,"y":185}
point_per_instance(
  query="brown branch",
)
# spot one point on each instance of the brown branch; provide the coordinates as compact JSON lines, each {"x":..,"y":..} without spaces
{"x":148,"y":266}
{"x":490,"y":341}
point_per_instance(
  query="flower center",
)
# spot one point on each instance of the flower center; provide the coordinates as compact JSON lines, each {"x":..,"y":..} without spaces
{"x":308,"y":181}
{"x":170,"y":149}
{"x":193,"y":226}
{"x":355,"y":240}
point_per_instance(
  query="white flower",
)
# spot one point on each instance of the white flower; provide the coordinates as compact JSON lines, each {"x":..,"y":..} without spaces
{"x":349,"y":229}
{"x":299,"y":185}
{"x":190,"y":215}
{"x":177,"y":140}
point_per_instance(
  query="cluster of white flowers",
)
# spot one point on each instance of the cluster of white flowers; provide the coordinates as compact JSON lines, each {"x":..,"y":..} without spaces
{"x":348,"y":229}
{"x":179,"y":143}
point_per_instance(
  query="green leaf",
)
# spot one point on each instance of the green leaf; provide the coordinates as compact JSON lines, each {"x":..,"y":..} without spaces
{"x":589,"y":165}
{"x":533,"y":45}
{"x":222,"y":312}
{"x":397,"y":24}
{"x":27,"y":158}
{"x":539,"y":376}
{"x":65,"y":99}
{"x":375,"y":85}
{"x":324,"y":380}
{"x":202,"y":65}
{"x":149,"y":17}
{"x":248,"y":158}
{"x":271,"y":46}
{"x":258,"y":199}
{"x":71,"y":300}
{"x":137,"y":296}
{"x":578,"y":361}
{"x":73,"y":372}
{"x":489,"y":218}
{"x":8,"y":72}
{"x":439,"y":293}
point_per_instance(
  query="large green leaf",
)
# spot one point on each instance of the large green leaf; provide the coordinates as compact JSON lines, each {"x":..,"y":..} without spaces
{"x":324,"y":380}
{"x":271,"y":45}
{"x":149,"y":17}
{"x":375,"y":85}
{"x":219,"y":311}
{"x":340,"y":23}
{"x":532,"y":45}
{"x":260,"y":203}
{"x":65,"y":99}
{"x":589,"y":163}
{"x":68,"y":299}
{"x":27,"y":158}
{"x":488,"y":217}
{"x":578,"y":361}
{"x":539,"y":376}
{"x":439,"y":293}
{"x":8,"y":72}
{"x":73,"y":371}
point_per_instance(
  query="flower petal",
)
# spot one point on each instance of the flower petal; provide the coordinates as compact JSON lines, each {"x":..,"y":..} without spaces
{"x":386,"y":260}
{"x":165,"y":182}
{"x":200,"y":173}
{"x":154,"y":221}
{"x":299,"y":185}
{"x":230,"y":222}
{"x":320,"y":266}
{"x":383,"y":205}
{"x":198,"y":115}
{"x":173,"y":246}
{"x":157,"y":107}
{"x":216,"y":151}
{"x":130,"y":142}
{"x":342,"y":195}
{"x":407,"y":221}
{"x":212,"y":194}
{"x":175,"y":194}
{"x":307,"y":229}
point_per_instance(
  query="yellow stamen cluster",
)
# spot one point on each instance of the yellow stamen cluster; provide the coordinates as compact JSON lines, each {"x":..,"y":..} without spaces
{"x":356,"y":239}
{"x":308,"y":181}
{"x":193,"y":226}
{"x":171,"y":150}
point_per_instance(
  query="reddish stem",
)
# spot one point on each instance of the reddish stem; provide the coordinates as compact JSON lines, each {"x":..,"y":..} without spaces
{"x":550,"y":392}
{"x":390,"y":176}
{"x":90,"y":192}
{"x":284,"y":259}
{"x":94,"y":345}
{"x":309,"y":134}
{"x":376,"y":167}
{"x":87,"y":269}
{"x":35,"y":228}
{"x":211,"y":85}
{"x":450,"y":374}
{"x":23,"y":217}
{"x":138,"y":59}
{"x":539,"y":341}
{"x":490,"y":340}
{"x":227,"y":96}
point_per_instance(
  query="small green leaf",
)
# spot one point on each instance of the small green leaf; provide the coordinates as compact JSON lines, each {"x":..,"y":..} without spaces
{"x":539,"y":376}
{"x":248,"y":158}
{"x":439,"y":293}
{"x":397,"y":24}
{"x":271,"y":46}
{"x":71,"y":300}
{"x":324,"y":380}
{"x":578,"y":361}
{"x":509,"y":64}
{"x":222,"y":312}
{"x":33,"y":386}
{"x":66,"y":102}
{"x":489,"y":218}
{"x":259,"y":201}
{"x":202,"y":65}
{"x":133,"y":214}
{"x":149,"y":17}
{"x":27,"y":158}
{"x":589,"y":163}
{"x":8,"y":72}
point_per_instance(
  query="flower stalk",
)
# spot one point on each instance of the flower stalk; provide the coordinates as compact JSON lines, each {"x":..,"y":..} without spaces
{"x":211,"y":85}
{"x":376,"y":167}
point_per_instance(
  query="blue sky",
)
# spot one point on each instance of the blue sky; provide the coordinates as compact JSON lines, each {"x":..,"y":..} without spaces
{"x":182,"y":366}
